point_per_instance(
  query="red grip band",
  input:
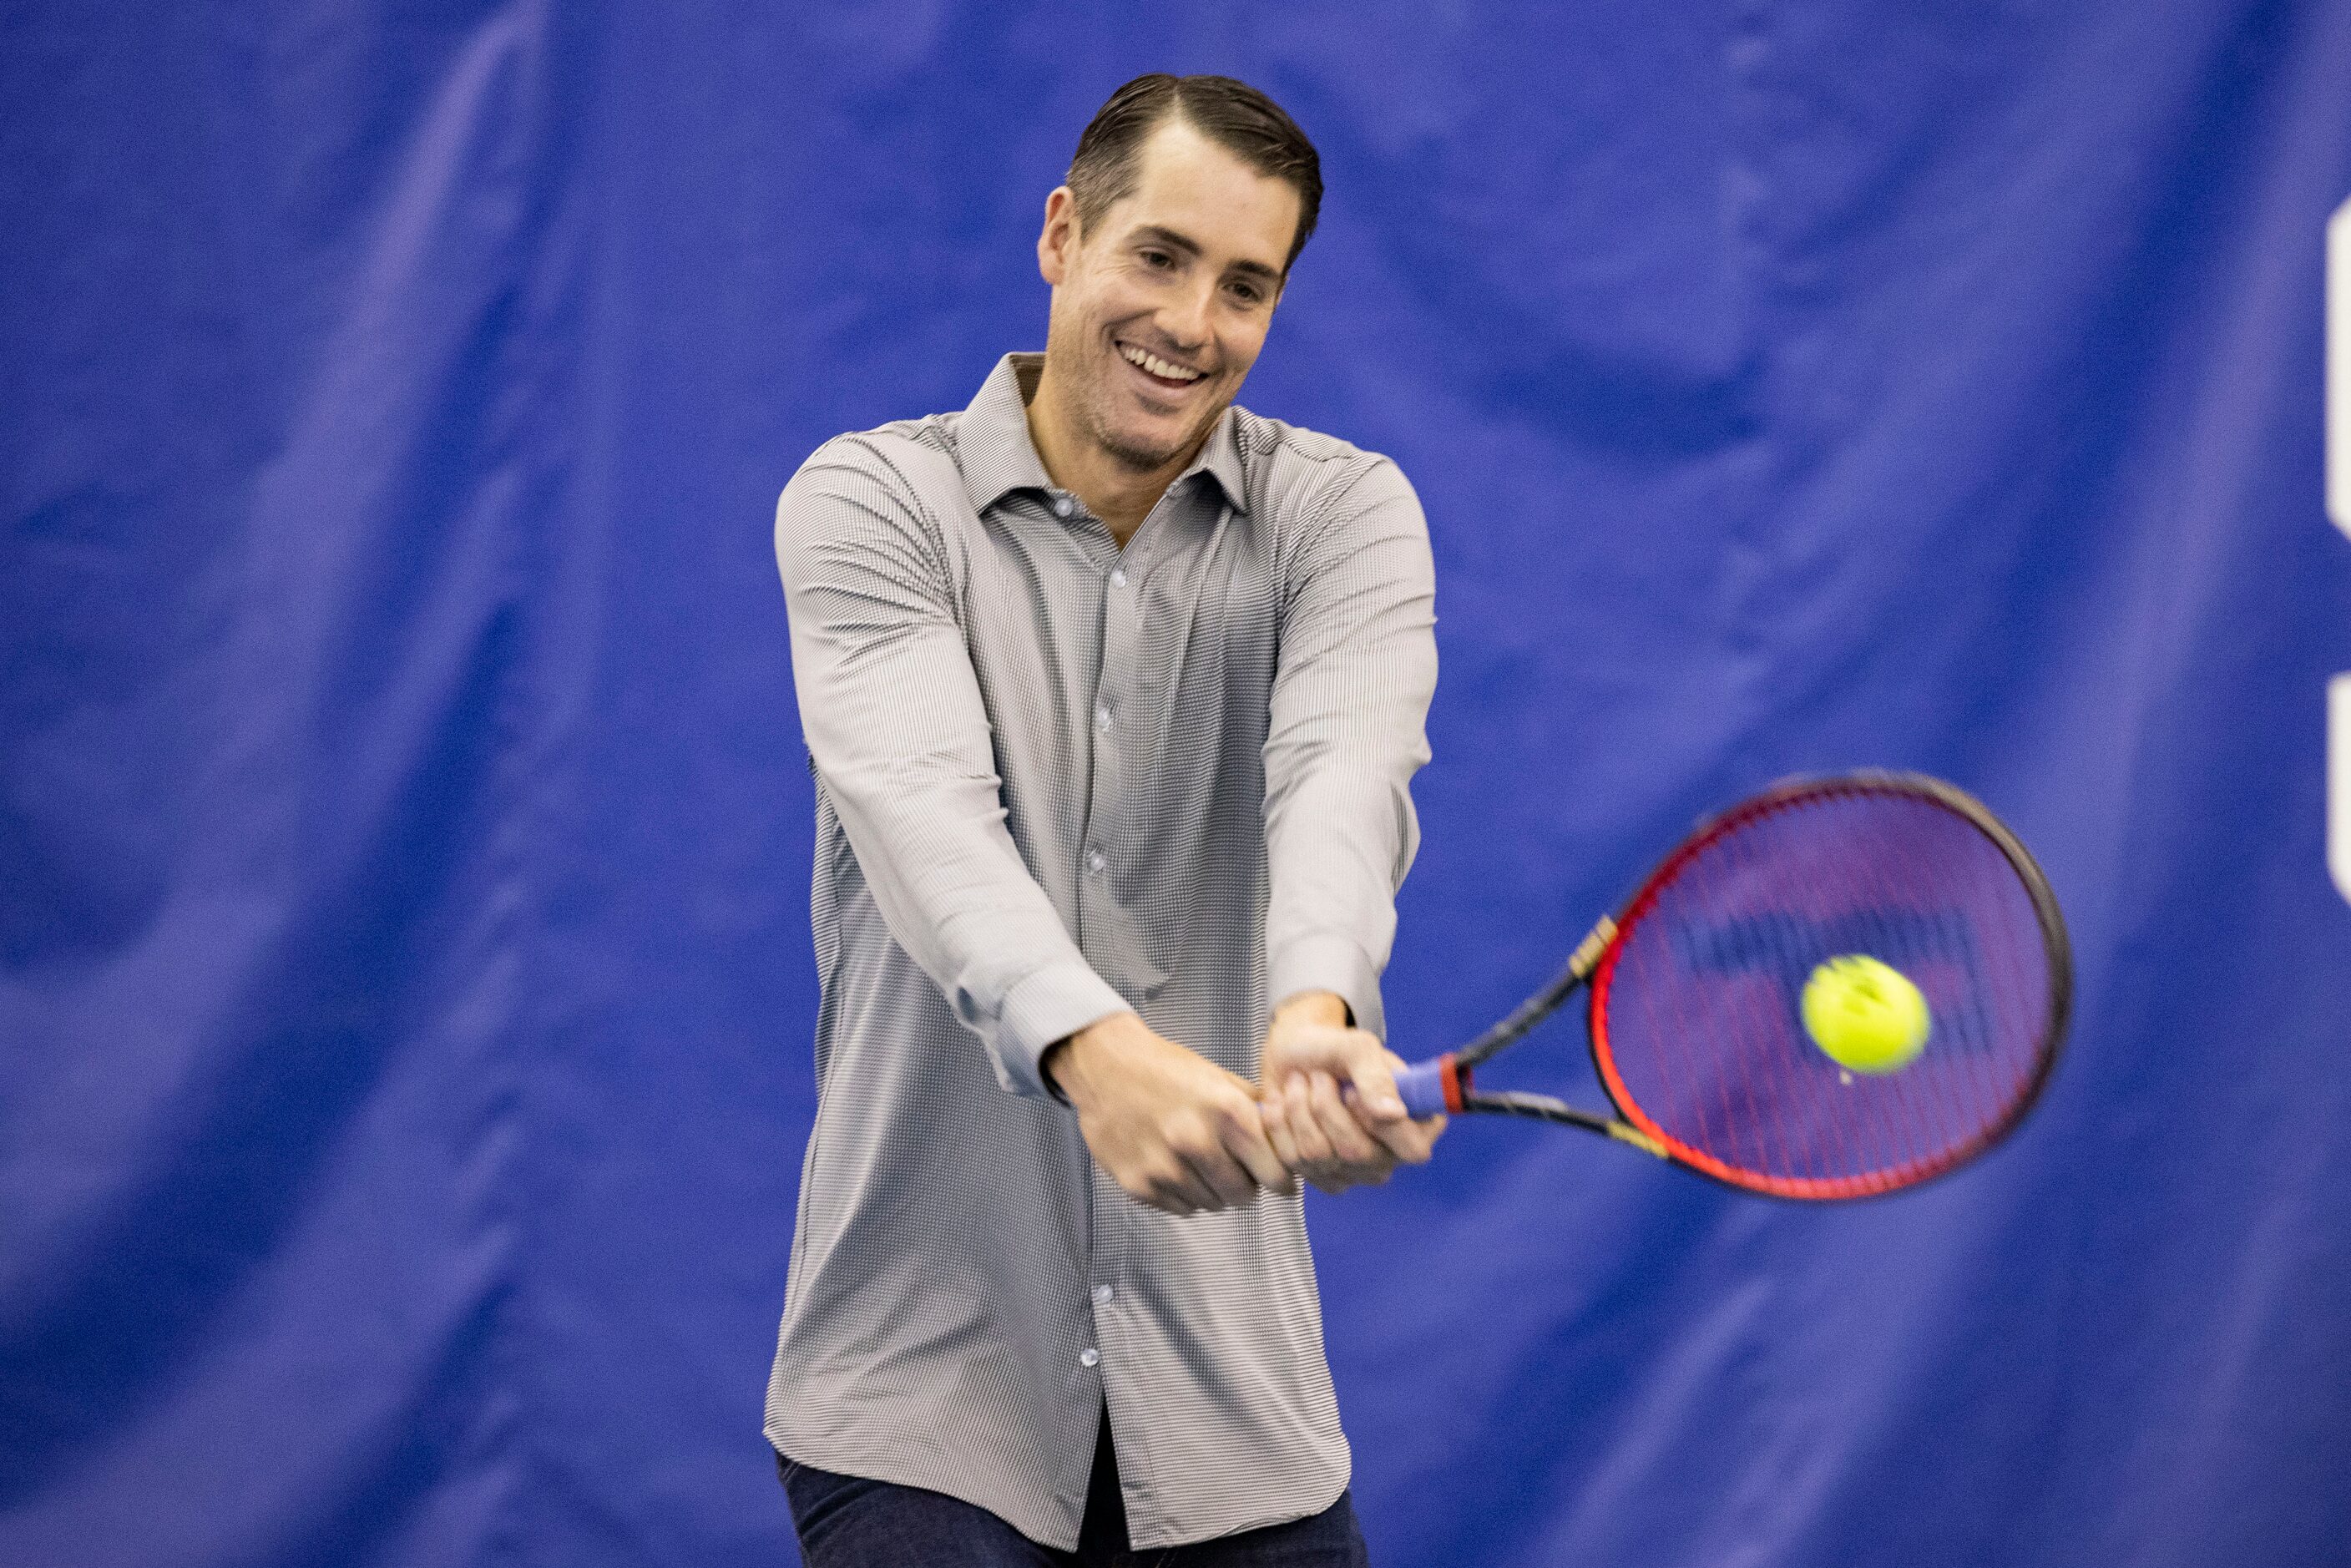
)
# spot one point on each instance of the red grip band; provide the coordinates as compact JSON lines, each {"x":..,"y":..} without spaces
{"x":1453,"y":1076}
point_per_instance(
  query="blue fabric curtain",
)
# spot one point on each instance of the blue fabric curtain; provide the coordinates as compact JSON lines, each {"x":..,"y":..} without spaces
{"x":405,"y":987}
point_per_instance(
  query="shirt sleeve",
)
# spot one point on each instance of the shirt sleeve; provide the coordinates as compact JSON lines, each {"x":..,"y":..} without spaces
{"x":1347,"y":732}
{"x":892,"y":716}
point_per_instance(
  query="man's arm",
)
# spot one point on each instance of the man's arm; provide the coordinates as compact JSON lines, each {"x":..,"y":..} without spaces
{"x":891,"y":712}
{"x":892,"y":715}
{"x":1347,"y":733}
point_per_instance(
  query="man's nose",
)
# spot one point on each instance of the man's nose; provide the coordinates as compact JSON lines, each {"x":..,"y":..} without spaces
{"x":1186,"y":321}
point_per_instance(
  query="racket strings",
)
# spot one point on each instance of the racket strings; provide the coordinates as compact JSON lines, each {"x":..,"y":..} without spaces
{"x":1918,"y":1113}
{"x":1904,"y":1116}
{"x":1771,"y":1143}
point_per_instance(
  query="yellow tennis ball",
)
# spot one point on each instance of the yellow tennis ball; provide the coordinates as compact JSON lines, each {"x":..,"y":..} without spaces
{"x":1866,"y":1015}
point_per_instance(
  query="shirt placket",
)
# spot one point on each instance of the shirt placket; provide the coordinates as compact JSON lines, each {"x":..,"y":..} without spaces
{"x":1115,"y":734}
{"x":1099,"y":839}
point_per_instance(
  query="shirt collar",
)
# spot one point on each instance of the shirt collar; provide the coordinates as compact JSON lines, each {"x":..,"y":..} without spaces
{"x":997,"y":457}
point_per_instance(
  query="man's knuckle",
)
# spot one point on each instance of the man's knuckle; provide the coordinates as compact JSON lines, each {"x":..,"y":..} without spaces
{"x":1204,"y":1142}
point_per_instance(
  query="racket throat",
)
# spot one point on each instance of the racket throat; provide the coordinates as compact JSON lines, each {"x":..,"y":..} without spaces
{"x":1626,"y":1132}
{"x":1453,"y":1074}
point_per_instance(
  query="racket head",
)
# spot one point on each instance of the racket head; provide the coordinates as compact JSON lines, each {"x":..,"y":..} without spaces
{"x":1695,"y":1017}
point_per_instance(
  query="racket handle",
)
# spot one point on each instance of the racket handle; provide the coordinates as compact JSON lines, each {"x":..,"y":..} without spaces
{"x":1428,"y":1088}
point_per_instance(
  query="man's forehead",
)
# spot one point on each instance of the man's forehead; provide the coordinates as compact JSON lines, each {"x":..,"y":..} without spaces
{"x":1201,"y":197}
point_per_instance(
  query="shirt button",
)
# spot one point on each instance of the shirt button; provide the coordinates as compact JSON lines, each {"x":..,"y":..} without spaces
{"x":1101,"y":716}
{"x":1103,"y":1293}
{"x":1095,"y":861}
{"x":1089,"y":1356}
{"x":1118,"y":577}
{"x":1061,"y":505}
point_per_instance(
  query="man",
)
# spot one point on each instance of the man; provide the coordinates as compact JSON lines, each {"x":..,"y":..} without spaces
{"x":1113,"y":693}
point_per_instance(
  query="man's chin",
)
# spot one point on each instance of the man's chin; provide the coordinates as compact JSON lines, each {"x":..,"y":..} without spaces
{"x":1140,"y":459}
{"x":1145,"y":451}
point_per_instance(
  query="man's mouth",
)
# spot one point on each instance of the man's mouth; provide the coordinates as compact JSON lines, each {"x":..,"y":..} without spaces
{"x":1157,"y":369}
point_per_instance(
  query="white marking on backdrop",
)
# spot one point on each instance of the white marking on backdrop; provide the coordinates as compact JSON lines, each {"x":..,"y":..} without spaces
{"x":2338,"y":508}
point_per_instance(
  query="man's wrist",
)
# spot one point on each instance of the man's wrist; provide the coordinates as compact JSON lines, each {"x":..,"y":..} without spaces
{"x":1066,"y":1061}
{"x":1328,"y":1008}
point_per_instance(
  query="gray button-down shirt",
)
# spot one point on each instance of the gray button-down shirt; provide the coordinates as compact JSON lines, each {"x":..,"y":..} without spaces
{"x":1055,"y":781}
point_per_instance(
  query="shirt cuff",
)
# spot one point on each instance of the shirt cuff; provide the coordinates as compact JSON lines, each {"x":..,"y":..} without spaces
{"x":1328,"y":963}
{"x":1050,"y":1005}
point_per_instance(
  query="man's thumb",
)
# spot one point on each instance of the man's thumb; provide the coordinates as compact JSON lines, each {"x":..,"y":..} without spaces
{"x":1373,"y":1078}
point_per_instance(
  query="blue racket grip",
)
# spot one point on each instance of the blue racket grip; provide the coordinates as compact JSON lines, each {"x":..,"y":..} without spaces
{"x":1421,"y":1087}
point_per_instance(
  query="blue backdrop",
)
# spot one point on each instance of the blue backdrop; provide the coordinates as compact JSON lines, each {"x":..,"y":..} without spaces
{"x":405,"y":985}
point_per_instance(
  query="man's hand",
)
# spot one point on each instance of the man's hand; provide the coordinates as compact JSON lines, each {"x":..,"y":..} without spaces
{"x":1172,"y":1128}
{"x":1335,"y":1140}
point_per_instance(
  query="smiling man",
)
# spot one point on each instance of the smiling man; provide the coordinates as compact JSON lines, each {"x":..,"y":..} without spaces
{"x":1113,"y":693}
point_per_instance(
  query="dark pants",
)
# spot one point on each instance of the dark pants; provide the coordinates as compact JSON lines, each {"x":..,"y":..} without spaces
{"x":847,"y":1521}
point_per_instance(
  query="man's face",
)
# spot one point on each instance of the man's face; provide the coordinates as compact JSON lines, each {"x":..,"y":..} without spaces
{"x":1159,"y":309}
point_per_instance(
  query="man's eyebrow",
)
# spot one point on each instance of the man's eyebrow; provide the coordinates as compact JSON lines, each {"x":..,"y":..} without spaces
{"x":1152,"y":234}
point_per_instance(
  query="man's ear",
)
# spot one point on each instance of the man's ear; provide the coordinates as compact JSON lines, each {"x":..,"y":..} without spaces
{"x":1059,"y":240}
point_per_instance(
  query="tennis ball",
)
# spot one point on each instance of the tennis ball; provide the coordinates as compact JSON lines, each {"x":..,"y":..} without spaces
{"x":1866,"y":1015}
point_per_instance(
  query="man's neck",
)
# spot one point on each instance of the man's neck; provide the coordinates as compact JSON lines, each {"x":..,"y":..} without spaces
{"x":1119,"y":496}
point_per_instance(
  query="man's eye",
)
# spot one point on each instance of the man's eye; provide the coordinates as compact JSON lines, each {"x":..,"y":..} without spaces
{"x":1246,"y":293}
{"x":1158,"y":259}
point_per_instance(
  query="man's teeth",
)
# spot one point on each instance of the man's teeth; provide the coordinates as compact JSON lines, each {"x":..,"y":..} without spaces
{"x":1157,"y":366}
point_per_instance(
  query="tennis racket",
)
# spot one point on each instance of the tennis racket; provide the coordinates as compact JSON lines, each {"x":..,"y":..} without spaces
{"x":1697,"y":1011}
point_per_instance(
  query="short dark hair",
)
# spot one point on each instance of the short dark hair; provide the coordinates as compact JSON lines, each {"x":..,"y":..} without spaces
{"x":1232,"y":114}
